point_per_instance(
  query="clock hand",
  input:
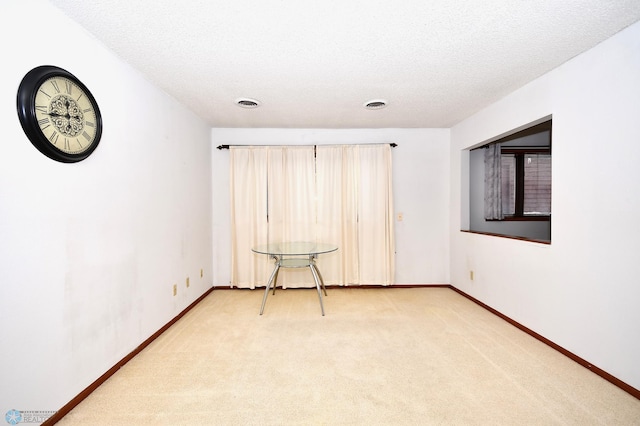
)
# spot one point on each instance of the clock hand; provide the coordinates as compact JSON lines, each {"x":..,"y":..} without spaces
{"x":55,"y":114}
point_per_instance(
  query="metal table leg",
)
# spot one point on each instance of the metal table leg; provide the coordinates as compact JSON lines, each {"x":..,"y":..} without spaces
{"x":272,"y":278}
{"x":316,"y":278}
{"x":313,"y":265}
{"x":294,"y":263}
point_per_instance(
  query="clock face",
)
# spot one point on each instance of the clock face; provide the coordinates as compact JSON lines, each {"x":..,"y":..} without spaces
{"x":58,"y":114}
{"x":65,"y":114}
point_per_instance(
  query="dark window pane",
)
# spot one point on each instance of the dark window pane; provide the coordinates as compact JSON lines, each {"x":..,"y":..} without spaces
{"x":537,"y":184}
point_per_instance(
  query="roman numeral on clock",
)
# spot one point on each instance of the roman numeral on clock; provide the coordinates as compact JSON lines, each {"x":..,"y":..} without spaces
{"x":54,"y":137}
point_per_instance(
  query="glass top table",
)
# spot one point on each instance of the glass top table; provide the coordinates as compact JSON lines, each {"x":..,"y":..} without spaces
{"x":295,"y":254}
{"x":295,"y":248}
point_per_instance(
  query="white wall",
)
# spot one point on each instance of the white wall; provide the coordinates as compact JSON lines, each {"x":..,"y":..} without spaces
{"x":581,"y":291}
{"x":421,"y":193}
{"x":89,"y":251}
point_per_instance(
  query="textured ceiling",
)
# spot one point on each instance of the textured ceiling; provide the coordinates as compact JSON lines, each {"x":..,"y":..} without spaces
{"x":313,"y":64}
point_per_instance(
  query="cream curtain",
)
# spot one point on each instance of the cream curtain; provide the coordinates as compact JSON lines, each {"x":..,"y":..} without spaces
{"x":356,"y":211}
{"x":249,"y":226}
{"x":335,"y":193}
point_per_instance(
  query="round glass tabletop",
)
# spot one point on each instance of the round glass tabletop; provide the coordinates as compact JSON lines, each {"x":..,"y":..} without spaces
{"x":295,"y":248}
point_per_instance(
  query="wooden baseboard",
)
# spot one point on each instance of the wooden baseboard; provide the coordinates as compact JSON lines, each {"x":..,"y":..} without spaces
{"x":226,"y":287}
{"x":600,"y":372}
{"x":93,"y":386}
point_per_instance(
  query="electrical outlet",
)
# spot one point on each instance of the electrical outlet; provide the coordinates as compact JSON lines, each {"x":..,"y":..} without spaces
{"x":175,"y":289}
{"x":187,"y":282}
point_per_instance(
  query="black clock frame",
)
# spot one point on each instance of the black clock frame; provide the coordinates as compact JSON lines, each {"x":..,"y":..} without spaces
{"x":27,"y":113}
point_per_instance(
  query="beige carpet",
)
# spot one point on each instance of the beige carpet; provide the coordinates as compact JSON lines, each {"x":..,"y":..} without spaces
{"x":387,"y":356}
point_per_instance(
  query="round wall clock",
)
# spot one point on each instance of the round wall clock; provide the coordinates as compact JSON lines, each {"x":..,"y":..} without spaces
{"x":58,"y":114}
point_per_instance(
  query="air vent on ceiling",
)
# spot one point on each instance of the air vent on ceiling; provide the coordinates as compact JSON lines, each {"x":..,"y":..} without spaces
{"x":375,"y":104}
{"x":247,"y":103}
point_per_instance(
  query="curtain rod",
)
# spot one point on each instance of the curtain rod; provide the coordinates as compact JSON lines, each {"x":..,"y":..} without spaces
{"x":393,"y":145}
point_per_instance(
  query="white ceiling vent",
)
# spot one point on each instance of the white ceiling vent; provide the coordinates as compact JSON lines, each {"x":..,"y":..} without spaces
{"x":375,"y":104}
{"x":247,"y":103}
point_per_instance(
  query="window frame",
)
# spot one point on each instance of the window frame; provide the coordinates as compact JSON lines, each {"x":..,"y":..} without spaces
{"x":520,"y":153}
{"x":529,"y":228}
{"x":533,"y":130}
